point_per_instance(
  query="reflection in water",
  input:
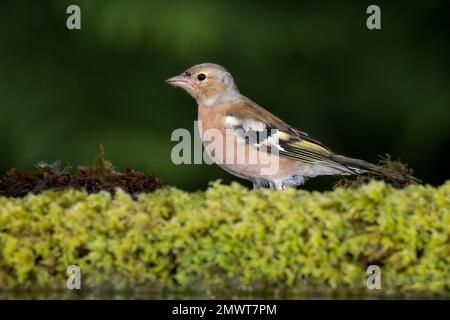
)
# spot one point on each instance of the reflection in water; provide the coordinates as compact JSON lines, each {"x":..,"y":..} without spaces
{"x":188,"y":295}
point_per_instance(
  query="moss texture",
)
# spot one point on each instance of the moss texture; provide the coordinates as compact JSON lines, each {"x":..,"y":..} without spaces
{"x":229,"y":236}
{"x":100,"y":176}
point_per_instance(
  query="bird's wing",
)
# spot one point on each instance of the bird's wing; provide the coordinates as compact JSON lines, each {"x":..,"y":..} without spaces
{"x":267,"y":132}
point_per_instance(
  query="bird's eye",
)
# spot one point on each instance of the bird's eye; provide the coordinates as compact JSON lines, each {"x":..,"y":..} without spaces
{"x":201,"y":77}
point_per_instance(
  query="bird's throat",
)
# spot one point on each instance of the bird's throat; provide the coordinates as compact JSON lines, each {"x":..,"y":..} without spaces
{"x":226,"y":97}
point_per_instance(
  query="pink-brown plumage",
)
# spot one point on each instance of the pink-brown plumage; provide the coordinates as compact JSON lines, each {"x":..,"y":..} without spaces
{"x":244,"y":126}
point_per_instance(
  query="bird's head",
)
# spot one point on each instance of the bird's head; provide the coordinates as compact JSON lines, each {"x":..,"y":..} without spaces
{"x":208,"y":83}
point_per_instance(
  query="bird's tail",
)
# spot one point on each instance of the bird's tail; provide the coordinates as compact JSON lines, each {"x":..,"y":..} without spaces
{"x":397,"y":173}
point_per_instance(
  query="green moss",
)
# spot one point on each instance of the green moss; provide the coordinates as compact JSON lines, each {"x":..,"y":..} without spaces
{"x":229,"y":236}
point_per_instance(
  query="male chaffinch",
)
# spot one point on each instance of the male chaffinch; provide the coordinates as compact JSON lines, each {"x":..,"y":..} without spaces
{"x":298,"y":156}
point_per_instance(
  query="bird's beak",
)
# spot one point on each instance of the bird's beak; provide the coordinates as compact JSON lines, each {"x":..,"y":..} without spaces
{"x":180,"y":81}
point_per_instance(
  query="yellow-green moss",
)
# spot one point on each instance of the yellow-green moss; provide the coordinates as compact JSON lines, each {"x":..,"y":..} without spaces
{"x":229,"y":236}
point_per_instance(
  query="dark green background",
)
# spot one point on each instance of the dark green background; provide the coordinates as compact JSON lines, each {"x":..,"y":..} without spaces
{"x":317,"y":66}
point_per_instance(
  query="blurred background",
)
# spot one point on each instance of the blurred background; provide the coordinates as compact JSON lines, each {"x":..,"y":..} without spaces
{"x":363,"y":93}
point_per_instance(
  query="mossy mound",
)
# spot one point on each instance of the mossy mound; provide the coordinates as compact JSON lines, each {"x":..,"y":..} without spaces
{"x":100,"y":176}
{"x":229,"y":236}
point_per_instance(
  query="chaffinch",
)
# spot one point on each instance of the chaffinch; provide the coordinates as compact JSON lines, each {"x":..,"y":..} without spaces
{"x":247,"y":127}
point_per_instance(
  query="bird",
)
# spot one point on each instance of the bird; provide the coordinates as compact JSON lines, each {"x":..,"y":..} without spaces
{"x":247,"y":127}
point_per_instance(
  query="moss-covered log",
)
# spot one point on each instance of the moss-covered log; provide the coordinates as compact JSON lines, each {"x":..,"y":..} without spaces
{"x":229,"y":236}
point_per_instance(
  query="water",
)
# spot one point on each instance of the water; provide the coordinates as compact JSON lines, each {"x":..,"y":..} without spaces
{"x":202,"y":295}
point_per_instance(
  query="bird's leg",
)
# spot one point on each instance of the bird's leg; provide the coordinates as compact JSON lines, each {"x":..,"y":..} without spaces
{"x":259,"y":184}
{"x":280,"y":186}
{"x":276,"y":185}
